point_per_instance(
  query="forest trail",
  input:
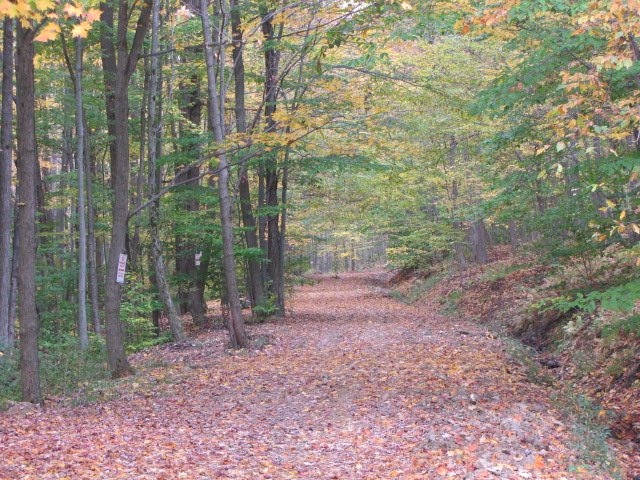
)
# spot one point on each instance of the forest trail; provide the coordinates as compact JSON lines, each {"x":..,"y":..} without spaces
{"x":352,"y":385}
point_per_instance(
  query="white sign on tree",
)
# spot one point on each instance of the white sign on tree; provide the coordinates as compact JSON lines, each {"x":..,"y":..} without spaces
{"x":122,"y":268}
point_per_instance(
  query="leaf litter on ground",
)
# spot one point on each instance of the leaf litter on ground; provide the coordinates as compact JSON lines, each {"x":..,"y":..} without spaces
{"x":352,"y":384}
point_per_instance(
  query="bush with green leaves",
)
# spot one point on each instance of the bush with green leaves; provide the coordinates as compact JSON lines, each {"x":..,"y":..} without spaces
{"x":63,"y":367}
{"x":9,"y":376}
{"x":136,"y":311}
{"x":265,"y":308}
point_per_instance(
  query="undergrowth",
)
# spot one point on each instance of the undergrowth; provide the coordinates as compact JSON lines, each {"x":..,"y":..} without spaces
{"x":450,"y":303}
{"x":590,"y":431}
{"x":417,"y":290}
{"x":63,"y":368}
{"x":501,"y":271}
{"x":588,"y":419}
{"x":582,"y":324}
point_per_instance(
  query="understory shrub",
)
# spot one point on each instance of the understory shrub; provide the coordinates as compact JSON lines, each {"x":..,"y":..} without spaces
{"x":63,"y":367}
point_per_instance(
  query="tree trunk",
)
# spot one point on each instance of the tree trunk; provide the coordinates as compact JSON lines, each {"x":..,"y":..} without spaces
{"x":125,"y":66}
{"x":6,"y":213}
{"x":13,"y":292}
{"x":480,"y":240}
{"x":352,"y":255}
{"x":154,"y":184}
{"x":108,"y":58}
{"x":83,"y":331}
{"x":513,"y":235}
{"x":27,"y":166}
{"x":246,"y":209}
{"x":272,"y":60}
{"x":262,"y":226}
{"x":91,"y":238}
{"x":67,"y":166}
{"x":235,"y":322}
{"x":458,"y":247}
{"x":283,"y":231}
{"x":192,"y":299}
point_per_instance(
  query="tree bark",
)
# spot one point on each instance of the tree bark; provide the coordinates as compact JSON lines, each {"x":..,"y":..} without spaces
{"x":513,"y":235}
{"x":83,"y":330}
{"x":26,"y":170}
{"x":192,"y":298}
{"x":246,"y":209}
{"x":272,"y":60}
{"x":126,"y":62}
{"x":235,"y":322}
{"x":458,"y":247}
{"x":91,"y":238}
{"x":6,"y":213}
{"x":109,"y":72}
{"x":283,"y":232}
{"x":13,"y":292}
{"x":262,"y":226}
{"x":154,"y":184}
{"x":480,"y":240}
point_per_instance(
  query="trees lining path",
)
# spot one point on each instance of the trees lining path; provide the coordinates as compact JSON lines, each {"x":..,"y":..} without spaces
{"x":353,"y":385}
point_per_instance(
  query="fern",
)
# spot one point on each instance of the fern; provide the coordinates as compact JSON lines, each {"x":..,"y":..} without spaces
{"x":620,"y":298}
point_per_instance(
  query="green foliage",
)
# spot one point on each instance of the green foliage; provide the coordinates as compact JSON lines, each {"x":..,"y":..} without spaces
{"x":419,"y":288}
{"x":295,"y":268}
{"x":620,"y":298}
{"x":622,"y":327}
{"x":64,"y":368}
{"x":136,"y":311}
{"x":9,"y":376}
{"x":265,"y":308}
{"x":420,"y":248}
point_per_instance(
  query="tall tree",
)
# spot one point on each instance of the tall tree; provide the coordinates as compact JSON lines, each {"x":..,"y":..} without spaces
{"x":6,"y":213}
{"x":83,"y":331}
{"x":192,"y":288}
{"x":272,"y":62}
{"x":91,"y":239}
{"x":248,"y":219}
{"x":126,"y":60}
{"x":26,"y":224}
{"x":235,"y":322}
{"x":154,"y":182}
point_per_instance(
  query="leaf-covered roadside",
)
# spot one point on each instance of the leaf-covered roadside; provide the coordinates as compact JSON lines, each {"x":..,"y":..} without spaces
{"x":354,"y":384}
{"x":574,"y":330}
